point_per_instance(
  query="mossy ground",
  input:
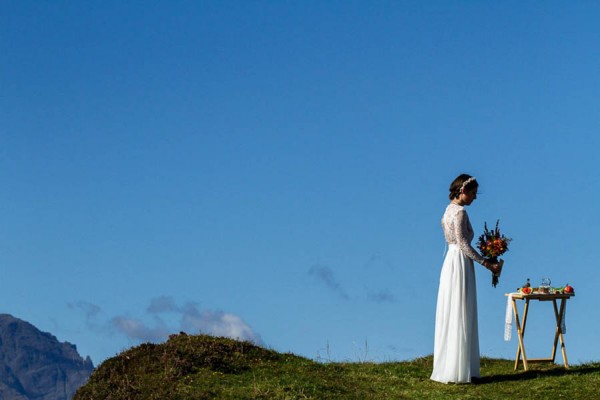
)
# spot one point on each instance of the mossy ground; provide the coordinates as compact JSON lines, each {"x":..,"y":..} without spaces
{"x":203,"y":367}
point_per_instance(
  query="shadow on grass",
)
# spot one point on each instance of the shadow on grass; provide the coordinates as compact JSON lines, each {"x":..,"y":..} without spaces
{"x":535,"y":374}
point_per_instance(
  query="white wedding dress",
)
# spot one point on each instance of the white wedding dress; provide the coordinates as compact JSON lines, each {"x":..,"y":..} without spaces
{"x":456,"y":348}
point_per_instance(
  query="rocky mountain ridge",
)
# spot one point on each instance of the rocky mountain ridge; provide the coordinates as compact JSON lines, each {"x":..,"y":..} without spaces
{"x":35,"y":365}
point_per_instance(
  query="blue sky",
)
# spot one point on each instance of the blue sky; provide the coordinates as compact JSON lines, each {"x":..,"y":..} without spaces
{"x":277,"y":170}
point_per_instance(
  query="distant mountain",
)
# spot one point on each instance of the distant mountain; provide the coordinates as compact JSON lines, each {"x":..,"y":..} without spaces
{"x":34,"y":365}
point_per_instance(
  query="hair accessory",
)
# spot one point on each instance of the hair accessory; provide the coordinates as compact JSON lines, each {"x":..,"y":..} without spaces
{"x":465,"y":183}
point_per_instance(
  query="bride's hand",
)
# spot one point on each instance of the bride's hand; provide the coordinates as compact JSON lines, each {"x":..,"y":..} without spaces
{"x":494,"y":267}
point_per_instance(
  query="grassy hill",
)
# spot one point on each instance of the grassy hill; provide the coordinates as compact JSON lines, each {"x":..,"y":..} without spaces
{"x":205,"y":367}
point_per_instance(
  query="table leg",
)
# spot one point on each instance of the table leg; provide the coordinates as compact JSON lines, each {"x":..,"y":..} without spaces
{"x":557,"y":330}
{"x":559,"y":334}
{"x":521,"y":333}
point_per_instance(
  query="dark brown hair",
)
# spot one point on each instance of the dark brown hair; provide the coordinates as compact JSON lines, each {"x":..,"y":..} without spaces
{"x":456,"y":185}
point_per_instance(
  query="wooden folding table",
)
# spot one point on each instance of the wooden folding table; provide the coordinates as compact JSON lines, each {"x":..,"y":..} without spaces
{"x":559,"y":313}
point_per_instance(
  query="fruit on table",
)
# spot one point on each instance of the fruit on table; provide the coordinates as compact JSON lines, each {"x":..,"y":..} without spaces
{"x":526,"y":290}
{"x":569,"y":289}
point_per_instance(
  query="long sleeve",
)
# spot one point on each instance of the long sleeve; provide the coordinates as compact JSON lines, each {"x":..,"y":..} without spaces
{"x":464,"y":234}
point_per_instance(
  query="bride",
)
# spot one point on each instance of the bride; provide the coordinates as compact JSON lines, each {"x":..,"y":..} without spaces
{"x":456,"y":348}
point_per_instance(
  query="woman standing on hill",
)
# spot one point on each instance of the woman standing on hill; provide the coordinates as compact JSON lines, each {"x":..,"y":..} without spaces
{"x":456,"y":349}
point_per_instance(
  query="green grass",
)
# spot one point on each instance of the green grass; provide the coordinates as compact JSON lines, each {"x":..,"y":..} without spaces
{"x":205,"y":367}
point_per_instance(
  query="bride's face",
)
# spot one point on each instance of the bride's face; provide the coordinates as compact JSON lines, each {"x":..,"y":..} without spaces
{"x":468,"y":196}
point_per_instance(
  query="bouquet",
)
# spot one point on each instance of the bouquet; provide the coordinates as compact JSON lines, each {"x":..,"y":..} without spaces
{"x":493,"y":244}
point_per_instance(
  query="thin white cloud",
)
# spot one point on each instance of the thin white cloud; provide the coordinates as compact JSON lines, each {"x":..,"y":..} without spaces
{"x":188,"y":318}
{"x":217,"y":323}
{"x":138,"y":330}
{"x":325,"y":275}
{"x":91,"y":312}
{"x":90,"y":309}
{"x":162,"y":304}
{"x":374,"y":267}
{"x":382,"y":296}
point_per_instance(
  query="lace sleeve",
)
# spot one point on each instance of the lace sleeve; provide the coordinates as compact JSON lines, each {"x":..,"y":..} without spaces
{"x":464,"y":234}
